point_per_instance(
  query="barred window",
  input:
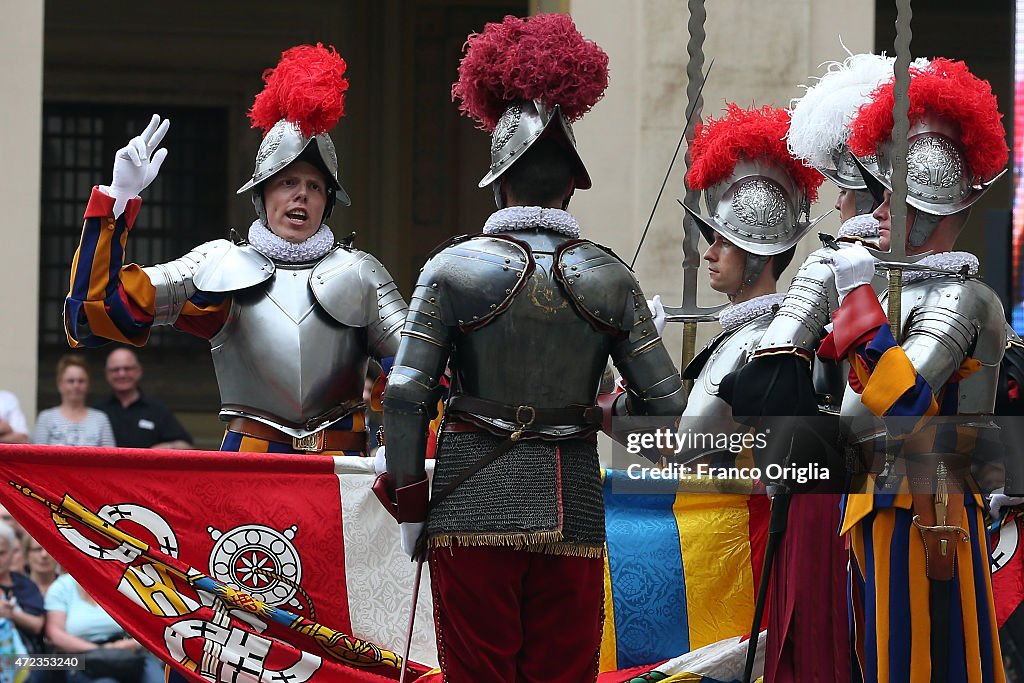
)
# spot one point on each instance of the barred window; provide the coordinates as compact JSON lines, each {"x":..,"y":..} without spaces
{"x":185,"y":206}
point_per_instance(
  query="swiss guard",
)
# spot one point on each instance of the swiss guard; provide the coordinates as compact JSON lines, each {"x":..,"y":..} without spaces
{"x":921,"y":587}
{"x":527,"y":315}
{"x":292,"y":313}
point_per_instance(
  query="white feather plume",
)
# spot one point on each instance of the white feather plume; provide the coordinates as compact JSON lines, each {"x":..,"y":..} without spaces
{"x":821,"y":118}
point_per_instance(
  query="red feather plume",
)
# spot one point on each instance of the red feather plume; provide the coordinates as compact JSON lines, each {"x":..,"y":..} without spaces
{"x":542,"y":58}
{"x":307,"y":87}
{"x":947,"y":89}
{"x":750,"y":133}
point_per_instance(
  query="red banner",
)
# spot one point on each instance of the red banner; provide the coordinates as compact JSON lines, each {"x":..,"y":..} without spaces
{"x":218,"y":563}
{"x":1007,"y":566}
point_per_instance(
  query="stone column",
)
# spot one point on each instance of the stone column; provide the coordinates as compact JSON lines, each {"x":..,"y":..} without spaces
{"x":21,"y":50}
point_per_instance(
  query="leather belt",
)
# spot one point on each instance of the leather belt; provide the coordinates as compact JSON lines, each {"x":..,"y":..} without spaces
{"x":323,"y":440}
{"x":525,"y":415}
{"x":456,"y":425}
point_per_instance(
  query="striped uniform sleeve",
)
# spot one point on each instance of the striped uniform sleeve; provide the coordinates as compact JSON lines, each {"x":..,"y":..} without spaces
{"x":108,"y":301}
{"x":879,"y":368}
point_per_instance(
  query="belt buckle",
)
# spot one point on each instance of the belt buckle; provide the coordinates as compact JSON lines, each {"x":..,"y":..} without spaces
{"x":311,"y":443}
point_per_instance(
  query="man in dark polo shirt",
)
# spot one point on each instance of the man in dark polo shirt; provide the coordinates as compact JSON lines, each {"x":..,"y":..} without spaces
{"x":138,"y":421}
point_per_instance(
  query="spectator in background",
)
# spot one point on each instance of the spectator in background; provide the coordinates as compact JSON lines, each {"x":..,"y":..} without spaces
{"x":137,"y":420}
{"x":13,"y":428}
{"x":72,"y":423}
{"x":7,"y":518}
{"x":75,"y":623}
{"x":20,"y":599}
{"x":39,"y":564}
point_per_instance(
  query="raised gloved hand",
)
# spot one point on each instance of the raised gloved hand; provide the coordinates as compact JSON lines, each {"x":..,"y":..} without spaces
{"x":853,"y":266}
{"x":998,"y":500}
{"x":380,"y":463}
{"x":410,"y":532}
{"x":657,"y":313}
{"x":137,"y":163}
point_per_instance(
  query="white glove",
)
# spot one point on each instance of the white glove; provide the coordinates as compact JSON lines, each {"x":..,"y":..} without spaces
{"x":657,"y":313}
{"x":137,"y":163}
{"x":999,"y":500}
{"x":380,"y":464}
{"x":410,"y":534}
{"x":853,"y":266}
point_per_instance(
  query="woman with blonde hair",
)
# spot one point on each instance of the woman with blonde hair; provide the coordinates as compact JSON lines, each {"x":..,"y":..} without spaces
{"x":72,"y":423}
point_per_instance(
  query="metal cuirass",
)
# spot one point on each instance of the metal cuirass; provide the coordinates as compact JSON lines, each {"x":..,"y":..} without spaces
{"x":557,"y":359}
{"x":282,"y":360}
{"x":945,"y":320}
{"x":729,"y":353}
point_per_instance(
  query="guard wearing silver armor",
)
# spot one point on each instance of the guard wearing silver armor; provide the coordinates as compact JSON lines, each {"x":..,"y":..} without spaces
{"x":291,"y":313}
{"x":939,"y":356}
{"x":526,"y":315}
{"x":757,"y":212}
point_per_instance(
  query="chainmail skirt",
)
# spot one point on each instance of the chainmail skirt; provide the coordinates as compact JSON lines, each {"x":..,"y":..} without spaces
{"x":542,"y":496}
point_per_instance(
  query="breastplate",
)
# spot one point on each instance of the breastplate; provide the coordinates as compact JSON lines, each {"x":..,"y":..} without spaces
{"x":539,"y":351}
{"x":727,"y":357}
{"x":282,"y":360}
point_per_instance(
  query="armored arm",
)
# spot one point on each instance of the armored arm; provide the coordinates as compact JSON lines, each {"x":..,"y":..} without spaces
{"x":653,"y":385}
{"x":954,"y":322}
{"x":358,"y":291}
{"x":174,"y":282}
{"x":414,"y":384}
{"x":383,"y":331}
{"x":799,"y":324}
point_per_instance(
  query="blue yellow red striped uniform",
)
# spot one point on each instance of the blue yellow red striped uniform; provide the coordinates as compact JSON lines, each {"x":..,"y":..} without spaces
{"x":890,"y":603}
{"x":109,"y":301}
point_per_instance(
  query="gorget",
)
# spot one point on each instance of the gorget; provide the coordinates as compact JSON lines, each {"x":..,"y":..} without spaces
{"x":515,"y":218}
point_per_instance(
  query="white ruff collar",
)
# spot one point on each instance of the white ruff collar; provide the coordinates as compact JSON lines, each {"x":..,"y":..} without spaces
{"x":863,"y":225}
{"x":279,"y":249}
{"x":951,"y":261}
{"x":743,"y":312}
{"x":530,"y":217}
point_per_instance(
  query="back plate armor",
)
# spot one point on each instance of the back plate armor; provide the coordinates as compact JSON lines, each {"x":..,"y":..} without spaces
{"x":516,"y":319}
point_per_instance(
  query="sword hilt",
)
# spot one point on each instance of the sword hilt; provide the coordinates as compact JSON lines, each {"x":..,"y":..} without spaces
{"x":941,"y":494}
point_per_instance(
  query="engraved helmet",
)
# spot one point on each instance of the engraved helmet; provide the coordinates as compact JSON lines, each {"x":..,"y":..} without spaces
{"x":757,"y":195}
{"x":285,"y":143}
{"x":303,"y":97}
{"x":527,"y":79}
{"x":939,"y":179}
{"x":523,"y":124}
{"x":956,"y":140}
